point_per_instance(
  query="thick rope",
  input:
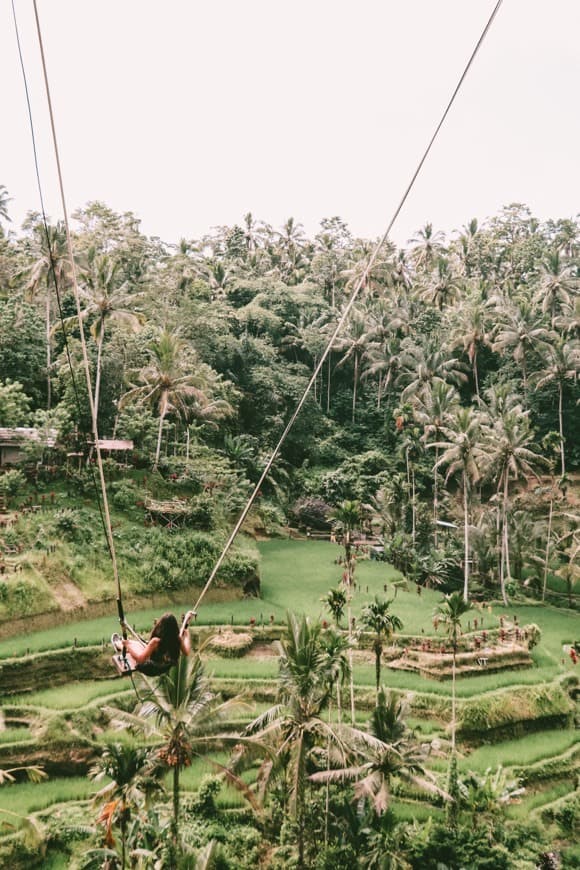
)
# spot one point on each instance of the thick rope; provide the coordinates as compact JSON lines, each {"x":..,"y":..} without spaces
{"x":361,"y":282}
{"x":52,"y":270}
{"x":94,"y":421}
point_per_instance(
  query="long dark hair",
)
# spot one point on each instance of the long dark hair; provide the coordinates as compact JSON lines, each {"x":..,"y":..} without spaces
{"x":167,"y":630}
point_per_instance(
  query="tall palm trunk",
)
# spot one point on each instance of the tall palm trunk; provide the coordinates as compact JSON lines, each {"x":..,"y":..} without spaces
{"x":378,"y":654}
{"x":465,"y":540}
{"x":99,"y":363}
{"x":547,"y":557}
{"x":505,"y":542}
{"x":175,"y":820}
{"x":354,"y":386}
{"x":48,"y":353}
{"x":475,"y":374}
{"x":561,"y":422}
{"x":435,"y":499}
{"x":159,"y":434}
{"x":328,"y":385}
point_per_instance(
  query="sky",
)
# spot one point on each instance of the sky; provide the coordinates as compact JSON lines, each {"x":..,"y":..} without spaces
{"x":191,"y":114}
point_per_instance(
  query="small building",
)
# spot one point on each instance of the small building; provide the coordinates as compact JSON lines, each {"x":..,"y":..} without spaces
{"x":13,"y":441}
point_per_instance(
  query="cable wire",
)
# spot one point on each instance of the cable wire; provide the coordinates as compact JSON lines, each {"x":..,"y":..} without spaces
{"x":361,"y":282}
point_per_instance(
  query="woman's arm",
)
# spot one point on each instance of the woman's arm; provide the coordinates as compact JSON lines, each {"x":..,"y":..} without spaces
{"x":185,"y":641}
{"x":142,"y":652}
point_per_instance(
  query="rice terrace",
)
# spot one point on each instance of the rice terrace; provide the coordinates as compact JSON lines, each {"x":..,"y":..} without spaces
{"x":289,"y":517}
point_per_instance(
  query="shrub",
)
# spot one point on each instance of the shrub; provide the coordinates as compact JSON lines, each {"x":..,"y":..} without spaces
{"x":204,"y":802}
{"x":313,"y":512}
{"x":12,"y":482}
{"x":230,"y":644}
{"x":66,"y":522}
{"x":125,"y":494}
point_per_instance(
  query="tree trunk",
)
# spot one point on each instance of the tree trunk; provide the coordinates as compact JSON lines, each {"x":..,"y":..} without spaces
{"x":378,"y":653}
{"x":475,"y":375}
{"x":435,"y":500}
{"x":48,"y":356}
{"x":158,"y":450}
{"x":98,"y":374}
{"x":354,"y":386}
{"x":328,"y":385}
{"x":548,"y":545}
{"x":560,"y":394}
{"x":505,"y":542}
{"x":465,"y":540}
{"x":175,"y":821}
{"x":413,"y":510}
{"x":453,"y":698}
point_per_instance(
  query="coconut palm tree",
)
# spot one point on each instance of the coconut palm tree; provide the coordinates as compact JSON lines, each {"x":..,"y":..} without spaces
{"x":4,"y":200}
{"x":183,"y":718}
{"x":561,"y":364}
{"x":132,"y":782}
{"x":294,"y":727}
{"x":471,"y":332}
{"x":557,"y":282}
{"x":434,"y":411}
{"x":335,"y":601}
{"x":423,"y":367}
{"x":105,"y":300}
{"x":443,"y":287}
{"x":520,"y":332}
{"x":376,"y":617}
{"x":169,"y":383}
{"x":382,"y":758}
{"x":509,"y":443}
{"x":449,"y":613}
{"x":463,"y":452}
{"x":427,"y":246}
{"x":351,"y":344}
{"x":347,"y":518}
{"x":51,"y":266}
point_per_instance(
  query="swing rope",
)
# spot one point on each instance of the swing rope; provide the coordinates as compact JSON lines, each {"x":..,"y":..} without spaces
{"x":103,"y":501}
{"x":355,"y":293}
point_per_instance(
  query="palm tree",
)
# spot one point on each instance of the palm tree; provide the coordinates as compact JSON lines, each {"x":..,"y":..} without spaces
{"x":562,"y":363}
{"x":183,"y":718}
{"x":105,"y":300}
{"x":335,"y":601}
{"x":382,"y":756}
{"x":427,"y":246}
{"x":434,"y":411}
{"x":423,"y":367}
{"x":381,"y":359}
{"x":132,"y":782}
{"x":352,"y":344}
{"x":347,"y":518}
{"x":449,"y":612}
{"x":168,"y":382}
{"x":511,"y":457}
{"x":463,"y":452}
{"x":471,"y":332}
{"x":4,"y":200}
{"x":51,"y":266}
{"x":521,"y":332}
{"x":377,"y":618}
{"x":556,"y":284}
{"x":294,"y":727}
{"x":443,"y":287}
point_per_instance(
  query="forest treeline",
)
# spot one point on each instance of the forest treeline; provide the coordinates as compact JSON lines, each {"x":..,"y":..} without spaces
{"x":455,"y":378}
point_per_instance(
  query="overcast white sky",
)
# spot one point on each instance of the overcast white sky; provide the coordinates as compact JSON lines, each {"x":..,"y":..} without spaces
{"x":190,"y":114}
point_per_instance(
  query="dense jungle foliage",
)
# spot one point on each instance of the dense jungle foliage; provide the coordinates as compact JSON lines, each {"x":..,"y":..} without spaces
{"x":442,"y":428}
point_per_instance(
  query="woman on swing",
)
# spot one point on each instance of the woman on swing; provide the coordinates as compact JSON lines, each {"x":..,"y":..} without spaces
{"x":161,"y":652}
